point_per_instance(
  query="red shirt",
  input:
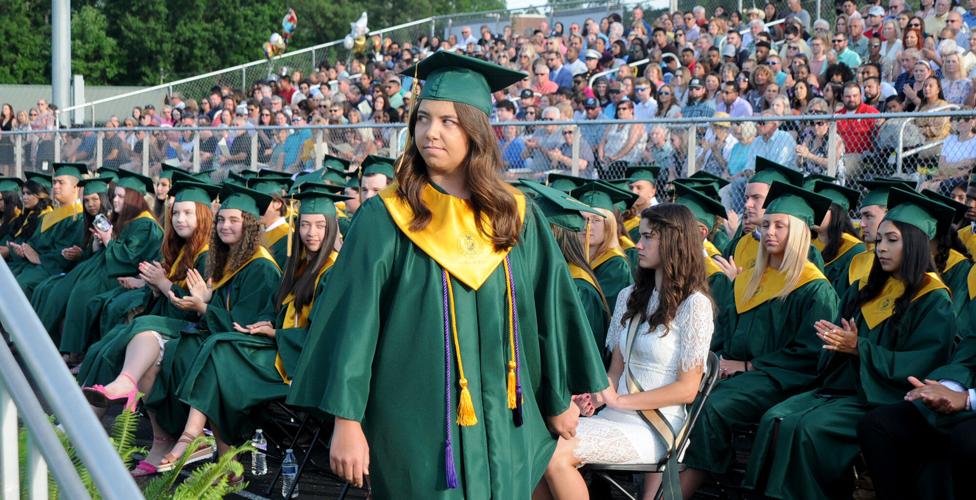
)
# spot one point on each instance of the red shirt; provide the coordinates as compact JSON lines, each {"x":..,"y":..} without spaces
{"x":286,"y":95}
{"x":858,"y":135}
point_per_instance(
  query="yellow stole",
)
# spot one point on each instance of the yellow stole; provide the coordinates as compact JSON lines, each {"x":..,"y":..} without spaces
{"x":971,"y":282}
{"x":179,"y":259}
{"x":861,"y":265}
{"x":711,"y":267}
{"x":772,"y":283}
{"x":452,"y":237}
{"x":847,"y":243}
{"x":299,"y":319}
{"x":269,"y":238}
{"x":26,"y":219}
{"x":881,"y":307}
{"x":625,"y":242}
{"x":146,"y":215}
{"x":59,"y":214}
{"x":605,"y":256}
{"x":711,"y":250}
{"x":746,"y":251}
{"x":260,"y":253}
{"x":579,"y":274}
{"x":968,"y":238}
{"x":341,"y":211}
{"x":631,"y":223}
{"x":954,"y":259}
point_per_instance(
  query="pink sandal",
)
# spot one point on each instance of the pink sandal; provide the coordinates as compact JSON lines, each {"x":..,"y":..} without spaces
{"x":98,"y":398}
{"x":144,"y":469}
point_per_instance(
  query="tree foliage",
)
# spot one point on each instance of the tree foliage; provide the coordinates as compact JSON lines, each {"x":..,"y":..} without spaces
{"x":121,"y":42}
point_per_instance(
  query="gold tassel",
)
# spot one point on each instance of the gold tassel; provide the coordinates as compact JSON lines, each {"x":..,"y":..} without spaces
{"x":511,"y":385}
{"x":466,"y":415}
{"x":291,"y":230}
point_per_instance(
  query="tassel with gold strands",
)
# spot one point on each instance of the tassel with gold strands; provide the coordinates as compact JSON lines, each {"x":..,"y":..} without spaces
{"x":514,"y":376}
{"x":415,"y":92}
{"x":289,"y":219}
{"x":466,"y":414}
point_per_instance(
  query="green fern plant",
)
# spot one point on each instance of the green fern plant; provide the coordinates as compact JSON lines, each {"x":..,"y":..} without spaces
{"x":208,"y":481}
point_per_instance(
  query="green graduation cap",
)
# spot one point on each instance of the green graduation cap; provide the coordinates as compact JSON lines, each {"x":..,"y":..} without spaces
{"x":564,"y":182}
{"x":702,"y":175}
{"x":236,"y":179}
{"x":168,"y":166}
{"x":301,"y":188}
{"x":845,"y":197}
{"x":456,"y":78}
{"x":768,"y":172}
{"x":878,"y":189}
{"x":335,"y":162}
{"x":40,"y":178}
{"x":559,"y":208}
{"x":642,"y":172}
{"x":136,"y":182}
{"x":95,"y":185}
{"x":183,"y":175}
{"x":270,"y":172}
{"x":812,"y":179}
{"x":331,"y":175}
{"x":247,"y":174}
{"x":706,"y":187}
{"x":11,"y":184}
{"x":319,"y":199}
{"x":352,"y":182}
{"x":203,"y":193}
{"x":960,"y":208}
{"x":110,"y":172}
{"x":373,"y":165}
{"x":70,"y":169}
{"x":703,"y":206}
{"x":911,"y":207}
{"x":271,"y":186}
{"x":788,"y":199}
{"x":600,"y":194}
{"x":244,"y":199}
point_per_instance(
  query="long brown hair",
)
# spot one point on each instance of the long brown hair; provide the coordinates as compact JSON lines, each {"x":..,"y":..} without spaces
{"x":303,"y":266}
{"x":133,"y":205}
{"x":682,"y":262}
{"x":490,"y":196}
{"x":225,"y":258}
{"x":572,"y":249}
{"x":173,"y":243}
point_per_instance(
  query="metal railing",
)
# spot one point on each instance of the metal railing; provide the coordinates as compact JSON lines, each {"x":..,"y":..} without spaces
{"x":53,"y":386}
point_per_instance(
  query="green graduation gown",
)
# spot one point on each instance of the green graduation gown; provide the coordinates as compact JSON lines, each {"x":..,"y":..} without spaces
{"x":60,"y":228}
{"x":245,"y":297}
{"x":376,"y":353}
{"x":594,"y":307}
{"x":806,"y":444}
{"x":720,"y":287}
{"x":613,"y":272}
{"x":234,"y":373}
{"x":138,"y":241}
{"x":720,"y":239}
{"x":775,"y":335}
{"x":276,"y":241}
{"x":954,"y":276}
{"x":838,"y":269}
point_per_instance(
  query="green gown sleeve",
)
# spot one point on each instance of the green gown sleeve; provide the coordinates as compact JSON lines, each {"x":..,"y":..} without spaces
{"x":280,"y":251}
{"x":614,"y":275}
{"x":815,"y":257}
{"x":48,"y":244}
{"x":140,"y":241}
{"x":838,"y":270}
{"x":721,"y":240}
{"x":962,"y":366}
{"x":720,"y":287}
{"x":729,"y":249}
{"x":592,"y":305}
{"x":201,"y":266}
{"x":250,"y":296}
{"x":956,"y":280}
{"x":920,"y":345}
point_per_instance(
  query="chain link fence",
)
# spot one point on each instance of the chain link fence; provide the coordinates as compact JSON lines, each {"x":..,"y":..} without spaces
{"x":936,"y":149}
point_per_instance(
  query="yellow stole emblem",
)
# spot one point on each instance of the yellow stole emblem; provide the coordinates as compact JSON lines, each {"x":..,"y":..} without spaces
{"x":59,"y":214}
{"x":746,"y":251}
{"x":772,"y":283}
{"x":954,"y":259}
{"x":579,"y":274}
{"x":631,"y":223}
{"x":452,"y":237}
{"x":711,"y":250}
{"x":299,"y":319}
{"x":881,"y":307}
{"x":847,"y":243}
{"x":269,"y":238}
{"x":605,"y":256}
{"x":625,"y":242}
{"x":260,"y":253}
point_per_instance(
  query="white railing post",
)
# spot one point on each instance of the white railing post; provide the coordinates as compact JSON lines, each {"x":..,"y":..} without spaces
{"x":317,"y":160}
{"x":832,"y":149}
{"x":19,"y":155}
{"x":574,"y":169}
{"x":692,"y":148}
{"x":9,"y":465}
{"x":98,"y":148}
{"x":196,"y":151}
{"x":145,"y":153}
{"x":57,"y":145}
{"x":253,"y":162}
{"x":36,"y":472}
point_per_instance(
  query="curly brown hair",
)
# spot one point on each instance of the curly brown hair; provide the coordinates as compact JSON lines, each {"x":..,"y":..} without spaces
{"x":490,"y":195}
{"x":682,"y":262}
{"x":224,"y":258}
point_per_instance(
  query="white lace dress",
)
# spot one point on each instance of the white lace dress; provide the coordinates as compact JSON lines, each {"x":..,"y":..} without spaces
{"x":620,"y":436}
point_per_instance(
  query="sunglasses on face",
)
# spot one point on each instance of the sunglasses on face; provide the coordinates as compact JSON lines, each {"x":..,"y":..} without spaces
{"x":664,"y":92}
{"x":641,"y":89}
{"x":914,"y":25}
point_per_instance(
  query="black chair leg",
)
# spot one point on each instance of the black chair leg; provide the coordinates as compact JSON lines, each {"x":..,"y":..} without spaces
{"x":344,"y":491}
{"x":301,"y":466}
{"x":294,"y":441}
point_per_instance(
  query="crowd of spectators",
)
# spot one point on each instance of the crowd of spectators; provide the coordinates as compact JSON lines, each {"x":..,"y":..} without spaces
{"x":871,"y":58}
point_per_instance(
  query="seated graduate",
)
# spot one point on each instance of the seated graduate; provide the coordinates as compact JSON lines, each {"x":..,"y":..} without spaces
{"x":642,"y":181}
{"x":244,"y":278}
{"x":743,"y":250}
{"x":565,"y":216}
{"x":702,"y":201}
{"x":185,"y":246}
{"x":837,"y":239}
{"x":39,"y":255}
{"x":923,"y":447}
{"x":11,"y":207}
{"x":896,"y":324}
{"x":134,"y":236}
{"x":717,"y":239}
{"x":951,"y":257}
{"x":450,"y":267}
{"x":34,"y":199}
{"x":659,"y":334}
{"x":276,"y":226}
{"x":600,"y":239}
{"x":235,"y":373}
{"x":770,"y":352}
{"x":162,"y":185}
{"x":967,"y":231}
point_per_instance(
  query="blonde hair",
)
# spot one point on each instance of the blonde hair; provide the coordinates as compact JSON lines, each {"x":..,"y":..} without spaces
{"x":794,"y":258}
{"x":610,"y":240}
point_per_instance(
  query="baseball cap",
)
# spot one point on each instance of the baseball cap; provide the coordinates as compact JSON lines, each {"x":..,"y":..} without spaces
{"x":695,"y":82}
{"x":877,"y":10}
{"x":728,"y":50}
{"x":724,"y":124}
{"x":526,"y":94}
{"x":591,"y":103}
{"x":592,"y":54}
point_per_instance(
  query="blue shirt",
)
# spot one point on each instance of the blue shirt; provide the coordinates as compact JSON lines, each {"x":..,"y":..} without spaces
{"x":781,"y":148}
{"x":703,"y":109}
{"x":969,"y":19}
{"x":512,"y":152}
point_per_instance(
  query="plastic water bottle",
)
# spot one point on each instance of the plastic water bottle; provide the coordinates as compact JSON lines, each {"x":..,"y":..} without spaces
{"x":289,"y":472}
{"x":259,"y":459}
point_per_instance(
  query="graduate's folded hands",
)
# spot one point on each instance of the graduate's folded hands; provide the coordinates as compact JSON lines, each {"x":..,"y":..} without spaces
{"x":937,"y":396}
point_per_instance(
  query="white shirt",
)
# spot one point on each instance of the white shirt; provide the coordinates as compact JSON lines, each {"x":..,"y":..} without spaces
{"x":279,"y":222}
{"x":645,"y":110}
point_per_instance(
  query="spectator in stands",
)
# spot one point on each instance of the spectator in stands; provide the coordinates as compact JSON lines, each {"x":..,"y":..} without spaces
{"x":698,"y":104}
{"x":512,"y":147}
{"x":796,"y":11}
{"x":936,"y":20}
{"x":818,"y":55}
{"x":623,"y":143}
{"x":772,"y":143}
{"x":740,"y":164}
{"x":957,"y":88}
{"x":858,"y":135}
{"x":645,"y":104}
{"x":558,"y":72}
{"x":892,"y":128}
{"x":813,"y":150}
{"x":856,"y":40}
{"x":541,"y":84}
{"x":937,"y":128}
{"x":715,"y":153}
{"x":872,"y":94}
{"x":660,"y":152}
{"x":392,"y":89}
{"x":543,"y":140}
{"x":958,"y":155}
{"x":761,"y":77}
{"x":845,"y":55}
{"x":562,"y":158}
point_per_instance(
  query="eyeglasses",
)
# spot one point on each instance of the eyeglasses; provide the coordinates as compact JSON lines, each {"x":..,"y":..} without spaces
{"x":839,"y":40}
{"x":541,"y":74}
{"x":875,"y":45}
{"x":265,"y":114}
{"x":664,"y":92}
{"x":625,"y":108}
{"x":914,"y":25}
{"x":641,"y":89}
{"x":772,"y":63}
{"x":818,"y":123}
{"x":793,"y":47}
{"x":567,"y":132}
